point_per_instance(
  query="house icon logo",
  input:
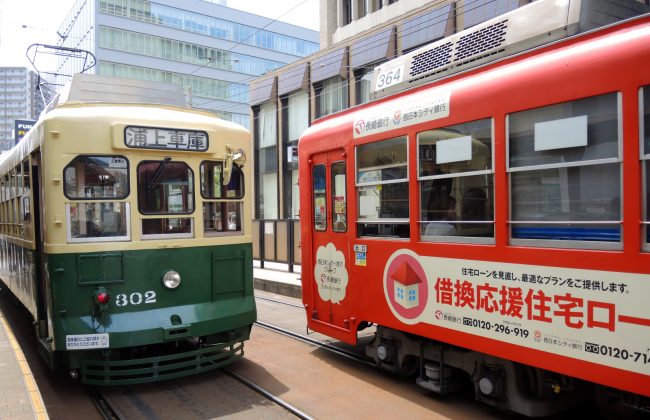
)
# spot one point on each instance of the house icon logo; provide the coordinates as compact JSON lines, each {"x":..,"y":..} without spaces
{"x":405,"y":285}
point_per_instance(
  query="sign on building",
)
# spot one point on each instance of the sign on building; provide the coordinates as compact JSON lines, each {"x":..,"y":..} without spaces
{"x":21,"y":127}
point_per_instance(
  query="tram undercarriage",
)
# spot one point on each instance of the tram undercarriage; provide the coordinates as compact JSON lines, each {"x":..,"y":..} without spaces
{"x":503,"y":384}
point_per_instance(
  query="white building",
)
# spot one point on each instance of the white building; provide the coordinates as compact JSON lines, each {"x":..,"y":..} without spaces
{"x":211,"y":51}
{"x":19,"y":100}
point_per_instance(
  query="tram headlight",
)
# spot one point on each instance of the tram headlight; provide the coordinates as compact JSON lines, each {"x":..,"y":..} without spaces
{"x":171,"y":279}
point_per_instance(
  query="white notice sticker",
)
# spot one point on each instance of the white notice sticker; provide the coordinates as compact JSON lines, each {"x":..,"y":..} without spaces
{"x":86,"y":341}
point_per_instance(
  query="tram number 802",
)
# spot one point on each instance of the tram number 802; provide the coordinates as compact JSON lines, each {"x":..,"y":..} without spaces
{"x":135,"y":298}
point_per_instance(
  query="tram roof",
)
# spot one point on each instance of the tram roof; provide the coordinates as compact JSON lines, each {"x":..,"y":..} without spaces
{"x":343,"y":120}
{"x":104,"y":97}
{"x":92,"y":88}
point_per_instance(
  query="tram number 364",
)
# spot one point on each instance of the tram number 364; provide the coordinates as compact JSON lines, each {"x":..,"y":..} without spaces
{"x":135,"y":298}
{"x":389,"y":77}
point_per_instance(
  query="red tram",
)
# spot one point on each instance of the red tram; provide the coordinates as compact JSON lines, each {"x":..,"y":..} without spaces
{"x":494,"y":226}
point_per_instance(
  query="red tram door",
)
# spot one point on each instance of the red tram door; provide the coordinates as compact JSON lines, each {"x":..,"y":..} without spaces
{"x":330,"y":297}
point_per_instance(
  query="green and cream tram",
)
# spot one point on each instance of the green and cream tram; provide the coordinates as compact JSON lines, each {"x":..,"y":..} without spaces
{"x":126,"y":233}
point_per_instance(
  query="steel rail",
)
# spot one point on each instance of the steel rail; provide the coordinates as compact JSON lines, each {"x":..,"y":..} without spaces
{"x":105,"y":408}
{"x":268,"y":395}
{"x":326,"y":346}
{"x":280,"y":302}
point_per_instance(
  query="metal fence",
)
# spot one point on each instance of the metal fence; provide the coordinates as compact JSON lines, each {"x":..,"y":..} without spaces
{"x":277,"y":241}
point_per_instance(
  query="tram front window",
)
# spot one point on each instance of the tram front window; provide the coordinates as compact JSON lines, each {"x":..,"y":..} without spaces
{"x":89,"y":179}
{"x":221,"y":216}
{"x":108,"y":221}
{"x":166,"y":188}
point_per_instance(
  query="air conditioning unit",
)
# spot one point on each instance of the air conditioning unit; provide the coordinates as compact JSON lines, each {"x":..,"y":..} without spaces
{"x":527,"y":27}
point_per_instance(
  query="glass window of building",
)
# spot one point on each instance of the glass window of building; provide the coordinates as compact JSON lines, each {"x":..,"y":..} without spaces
{"x":297,"y":114}
{"x":186,"y":20}
{"x":456,"y":183}
{"x":363,"y":85}
{"x":345,"y":11}
{"x":296,"y":120}
{"x":267,"y":161}
{"x":170,"y":49}
{"x":362,"y":8}
{"x":382,"y":189}
{"x":331,"y":96}
{"x":479,"y":11}
{"x":565,"y":173}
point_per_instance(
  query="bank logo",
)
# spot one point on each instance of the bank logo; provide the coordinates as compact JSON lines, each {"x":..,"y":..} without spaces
{"x":360,"y":127}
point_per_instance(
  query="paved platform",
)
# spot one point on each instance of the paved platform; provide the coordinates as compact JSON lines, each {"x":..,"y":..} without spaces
{"x":276,"y":278}
{"x":20,"y":398}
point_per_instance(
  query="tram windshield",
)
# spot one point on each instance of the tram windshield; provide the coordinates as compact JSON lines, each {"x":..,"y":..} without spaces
{"x":166,"y":188}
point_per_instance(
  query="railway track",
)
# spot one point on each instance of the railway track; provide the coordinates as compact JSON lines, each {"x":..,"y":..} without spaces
{"x":103,"y":405}
{"x":321,"y":344}
{"x":266,"y":394}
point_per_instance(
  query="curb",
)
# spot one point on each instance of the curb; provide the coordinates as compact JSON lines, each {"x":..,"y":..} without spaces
{"x":277,"y":287}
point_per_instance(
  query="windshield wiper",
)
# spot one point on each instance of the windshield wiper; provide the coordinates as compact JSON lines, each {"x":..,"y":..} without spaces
{"x":156,"y":176}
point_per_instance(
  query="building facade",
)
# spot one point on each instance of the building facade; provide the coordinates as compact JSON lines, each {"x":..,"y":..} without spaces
{"x":356,"y":36}
{"x":19,"y":100}
{"x":208,"y":49}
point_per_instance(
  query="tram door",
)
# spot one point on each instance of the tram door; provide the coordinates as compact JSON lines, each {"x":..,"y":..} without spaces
{"x":39,"y":263}
{"x":331,"y":298}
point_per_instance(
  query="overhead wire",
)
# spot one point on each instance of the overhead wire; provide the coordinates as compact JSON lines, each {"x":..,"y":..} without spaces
{"x":468,"y":7}
{"x":368,"y":46}
{"x":227,"y":97}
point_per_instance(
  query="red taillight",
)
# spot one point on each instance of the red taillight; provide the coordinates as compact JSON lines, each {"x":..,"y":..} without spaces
{"x":103,"y":298}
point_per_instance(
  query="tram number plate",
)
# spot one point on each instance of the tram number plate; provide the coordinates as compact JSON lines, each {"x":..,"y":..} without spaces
{"x":86,"y":341}
{"x":389,"y":77}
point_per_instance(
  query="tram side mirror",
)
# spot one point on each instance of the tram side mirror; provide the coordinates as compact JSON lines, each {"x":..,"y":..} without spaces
{"x":227,"y":169}
{"x":238,"y":157}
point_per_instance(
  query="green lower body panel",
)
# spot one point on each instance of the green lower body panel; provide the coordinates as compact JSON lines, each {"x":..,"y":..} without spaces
{"x":147,"y":332}
{"x":157,"y":368}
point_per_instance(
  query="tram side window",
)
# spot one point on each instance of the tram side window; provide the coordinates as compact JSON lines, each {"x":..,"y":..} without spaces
{"x":221,"y":216}
{"x":382,"y":189}
{"x":565,"y":172}
{"x":645,"y":156}
{"x":166,"y":188}
{"x":455,"y":176}
{"x":25,"y":210}
{"x":93,"y":178}
{"x":320,"y":198}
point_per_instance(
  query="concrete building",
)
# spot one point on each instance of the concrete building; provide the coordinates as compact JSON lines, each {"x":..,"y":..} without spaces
{"x":208,"y":49}
{"x":356,"y":37}
{"x":19,"y":100}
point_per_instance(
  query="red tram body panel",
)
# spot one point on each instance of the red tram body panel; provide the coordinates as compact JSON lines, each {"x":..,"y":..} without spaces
{"x":567,"y":296}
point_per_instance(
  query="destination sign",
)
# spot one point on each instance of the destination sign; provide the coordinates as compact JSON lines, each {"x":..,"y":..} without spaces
{"x":165,"y":138}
